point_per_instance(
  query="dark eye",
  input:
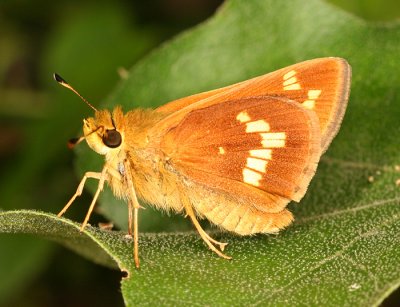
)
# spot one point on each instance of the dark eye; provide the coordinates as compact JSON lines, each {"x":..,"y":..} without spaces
{"x":112,"y":138}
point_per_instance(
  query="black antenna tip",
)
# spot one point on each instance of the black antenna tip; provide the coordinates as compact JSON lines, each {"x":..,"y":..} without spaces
{"x":58,"y":78}
{"x":72,"y":142}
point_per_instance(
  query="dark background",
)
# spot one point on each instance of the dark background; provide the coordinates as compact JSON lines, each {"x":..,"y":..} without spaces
{"x":88,"y":42}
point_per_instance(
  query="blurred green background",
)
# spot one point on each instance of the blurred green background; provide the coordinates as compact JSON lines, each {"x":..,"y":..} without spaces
{"x":87,"y":43}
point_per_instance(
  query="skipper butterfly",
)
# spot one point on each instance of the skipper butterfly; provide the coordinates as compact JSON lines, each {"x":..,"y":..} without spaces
{"x":235,"y":155}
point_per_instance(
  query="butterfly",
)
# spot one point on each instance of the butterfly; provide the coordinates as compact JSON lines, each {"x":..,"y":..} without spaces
{"x":236,"y":155}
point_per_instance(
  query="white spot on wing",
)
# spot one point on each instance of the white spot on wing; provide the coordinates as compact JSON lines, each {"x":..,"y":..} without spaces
{"x":312,"y":96}
{"x":258,"y":159}
{"x":265,"y":154}
{"x":221,"y":150}
{"x":273,"y":136}
{"x":257,"y":164}
{"x":243,"y":117}
{"x":292,"y":87}
{"x":289,"y":74}
{"x":290,"y":81}
{"x":251,"y":177}
{"x":273,"y":139}
{"x":309,"y":104}
{"x":257,"y":126}
{"x":273,"y":143}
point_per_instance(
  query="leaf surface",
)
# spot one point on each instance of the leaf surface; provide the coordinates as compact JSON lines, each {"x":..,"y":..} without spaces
{"x":343,"y":248}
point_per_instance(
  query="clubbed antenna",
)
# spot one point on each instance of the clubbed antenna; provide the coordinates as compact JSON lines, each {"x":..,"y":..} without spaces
{"x":75,"y":141}
{"x":64,"y":83}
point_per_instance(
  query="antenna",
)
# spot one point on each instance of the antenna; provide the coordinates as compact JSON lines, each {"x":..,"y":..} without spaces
{"x":75,"y":141}
{"x":64,"y":83}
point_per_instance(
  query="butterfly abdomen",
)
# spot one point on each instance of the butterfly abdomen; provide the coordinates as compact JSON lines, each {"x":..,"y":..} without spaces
{"x":236,"y":217}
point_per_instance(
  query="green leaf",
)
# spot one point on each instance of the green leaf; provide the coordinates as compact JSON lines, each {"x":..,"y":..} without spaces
{"x":343,"y":247}
{"x":91,"y":243}
{"x":21,"y":260}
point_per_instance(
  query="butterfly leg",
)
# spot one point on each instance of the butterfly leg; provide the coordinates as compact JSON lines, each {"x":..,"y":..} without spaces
{"x":102,"y":179}
{"x":220,"y":244}
{"x":130,"y":218}
{"x":134,"y":205}
{"x":206,"y":238}
{"x":133,"y":214}
{"x":136,"y":236}
{"x":79,"y":190}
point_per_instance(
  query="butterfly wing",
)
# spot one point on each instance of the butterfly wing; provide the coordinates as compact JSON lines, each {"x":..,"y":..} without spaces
{"x":262,"y":151}
{"x":321,"y":85}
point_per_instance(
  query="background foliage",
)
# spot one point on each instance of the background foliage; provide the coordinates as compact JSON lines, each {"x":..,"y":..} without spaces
{"x":86,"y":43}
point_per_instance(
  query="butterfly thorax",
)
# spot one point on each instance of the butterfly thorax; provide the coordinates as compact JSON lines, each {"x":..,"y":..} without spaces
{"x":138,"y":147}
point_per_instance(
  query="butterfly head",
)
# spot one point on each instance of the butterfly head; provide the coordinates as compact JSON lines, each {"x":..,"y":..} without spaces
{"x":103,"y":132}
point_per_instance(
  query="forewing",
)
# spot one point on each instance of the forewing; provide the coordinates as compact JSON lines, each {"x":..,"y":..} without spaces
{"x":320,"y":85}
{"x":262,"y":150}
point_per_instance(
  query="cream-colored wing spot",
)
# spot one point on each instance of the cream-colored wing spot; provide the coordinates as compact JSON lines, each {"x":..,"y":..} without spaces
{"x":243,"y":117}
{"x":251,"y":177}
{"x":289,"y":74}
{"x":257,"y":164}
{"x":290,"y":81}
{"x":309,"y":104}
{"x":312,"y":97}
{"x":273,"y":136}
{"x":221,"y":150}
{"x":273,"y":143}
{"x":265,"y":154}
{"x":273,"y":139}
{"x":257,"y":126}
{"x":314,"y":94}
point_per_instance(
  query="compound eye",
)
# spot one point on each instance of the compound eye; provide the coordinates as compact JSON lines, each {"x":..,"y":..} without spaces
{"x":112,"y":138}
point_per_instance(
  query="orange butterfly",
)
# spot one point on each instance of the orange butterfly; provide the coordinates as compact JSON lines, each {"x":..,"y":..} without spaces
{"x":235,"y":155}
